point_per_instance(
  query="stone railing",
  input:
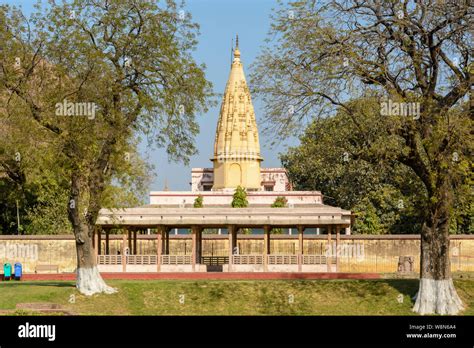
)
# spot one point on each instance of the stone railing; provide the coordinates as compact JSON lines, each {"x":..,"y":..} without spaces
{"x":109,"y":259}
{"x":176,"y":259}
{"x":144,"y":259}
{"x":141,"y":259}
{"x":273,"y":259}
{"x":317,"y":259}
{"x":282,"y":259}
{"x":247,"y":259}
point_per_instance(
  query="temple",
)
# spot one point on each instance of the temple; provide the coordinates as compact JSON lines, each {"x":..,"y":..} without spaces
{"x":237,"y":158}
{"x":236,"y":161}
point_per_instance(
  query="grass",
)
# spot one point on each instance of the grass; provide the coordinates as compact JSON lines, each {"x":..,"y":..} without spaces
{"x":265,"y":297}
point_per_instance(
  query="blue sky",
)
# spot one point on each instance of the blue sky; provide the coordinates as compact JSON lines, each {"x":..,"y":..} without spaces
{"x":220,"y":21}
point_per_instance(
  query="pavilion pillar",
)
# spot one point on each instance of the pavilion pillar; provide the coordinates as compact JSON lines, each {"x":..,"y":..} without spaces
{"x":129,"y":238}
{"x":124,"y":256}
{"x":300,"y":247}
{"x":99,"y":240}
{"x":234,"y":238}
{"x":163,"y":239}
{"x":266,"y":246}
{"x":329,"y":249}
{"x":159,"y":247}
{"x":231,"y":231}
{"x":194,"y":231}
{"x":348,"y":230}
{"x":338,"y":238}
{"x":199,"y":245}
{"x":95,"y":241}
{"x":135,"y":242}
{"x":167,"y":241}
{"x":107,"y":241}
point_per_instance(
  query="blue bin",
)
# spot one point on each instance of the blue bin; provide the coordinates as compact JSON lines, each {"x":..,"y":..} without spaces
{"x":7,"y":271}
{"x":18,"y":271}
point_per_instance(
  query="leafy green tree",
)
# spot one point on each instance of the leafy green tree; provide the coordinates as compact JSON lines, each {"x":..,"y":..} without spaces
{"x":368,"y":220}
{"x":198,"y":202}
{"x":47,"y":213}
{"x":29,"y":178}
{"x":239,"y":199}
{"x":106,"y":72}
{"x":35,"y":181}
{"x":414,"y":55}
{"x":328,"y":160}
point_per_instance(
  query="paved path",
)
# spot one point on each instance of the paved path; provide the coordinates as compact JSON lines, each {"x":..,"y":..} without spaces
{"x":209,"y":275}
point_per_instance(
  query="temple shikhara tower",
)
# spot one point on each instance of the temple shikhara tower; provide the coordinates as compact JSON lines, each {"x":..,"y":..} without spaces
{"x":236,"y":158}
{"x":237,"y":148}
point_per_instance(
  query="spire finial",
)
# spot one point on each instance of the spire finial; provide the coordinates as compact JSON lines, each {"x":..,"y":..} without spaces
{"x":236,"y":50}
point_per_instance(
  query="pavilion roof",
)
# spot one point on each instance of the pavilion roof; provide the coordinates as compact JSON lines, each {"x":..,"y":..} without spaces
{"x":316,"y":215}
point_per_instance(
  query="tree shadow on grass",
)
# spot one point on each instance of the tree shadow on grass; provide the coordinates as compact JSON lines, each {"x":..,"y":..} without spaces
{"x":407,"y":287}
{"x":67,"y":284}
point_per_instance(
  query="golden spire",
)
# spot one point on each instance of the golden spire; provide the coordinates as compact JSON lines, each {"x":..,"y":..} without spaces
{"x":236,"y":139}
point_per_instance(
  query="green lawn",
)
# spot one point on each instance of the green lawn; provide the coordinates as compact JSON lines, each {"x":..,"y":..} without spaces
{"x":308,"y":297}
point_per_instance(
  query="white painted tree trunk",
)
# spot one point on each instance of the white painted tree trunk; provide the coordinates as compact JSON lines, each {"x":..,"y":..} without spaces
{"x":90,"y":282}
{"x":437,"y":297}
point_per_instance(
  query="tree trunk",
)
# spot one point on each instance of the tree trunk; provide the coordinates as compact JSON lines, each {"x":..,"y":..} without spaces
{"x":89,"y":281}
{"x":436,"y":294}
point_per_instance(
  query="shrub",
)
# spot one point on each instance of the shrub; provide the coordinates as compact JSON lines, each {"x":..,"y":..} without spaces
{"x":198,"y":202}
{"x":240,"y":198}
{"x":280,"y":202}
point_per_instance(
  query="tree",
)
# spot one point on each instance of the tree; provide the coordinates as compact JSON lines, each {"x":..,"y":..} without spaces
{"x":198,"y":202}
{"x":31,"y":178}
{"x":33,"y":193}
{"x":384,"y":195}
{"x":239,"y":199}
{"x":106,"y":71}
{"x":414,"y":56}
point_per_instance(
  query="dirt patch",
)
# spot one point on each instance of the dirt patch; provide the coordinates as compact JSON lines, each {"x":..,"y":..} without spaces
{"x":43,"y":307}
